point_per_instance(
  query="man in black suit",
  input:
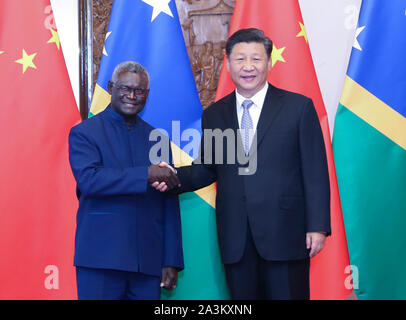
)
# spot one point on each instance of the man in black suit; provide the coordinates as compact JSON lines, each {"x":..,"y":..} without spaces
{"x":272,"y":217}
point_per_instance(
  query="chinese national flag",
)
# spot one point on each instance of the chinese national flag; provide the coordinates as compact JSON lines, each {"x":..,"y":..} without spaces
{"x":293,"y":70}
{"x":37,"y":189}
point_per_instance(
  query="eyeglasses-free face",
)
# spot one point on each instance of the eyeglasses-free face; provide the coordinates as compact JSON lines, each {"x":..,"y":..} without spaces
{"x":248,"y":65}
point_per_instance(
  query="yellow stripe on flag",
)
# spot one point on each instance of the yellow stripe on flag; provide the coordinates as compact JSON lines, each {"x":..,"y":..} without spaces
{"x":101,"y":100}
{"x":374,"y":111}
{"x":181,"y":158}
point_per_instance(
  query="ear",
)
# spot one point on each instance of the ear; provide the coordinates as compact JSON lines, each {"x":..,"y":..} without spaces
{"x":110,"y":87}
{"x":228,"y":64}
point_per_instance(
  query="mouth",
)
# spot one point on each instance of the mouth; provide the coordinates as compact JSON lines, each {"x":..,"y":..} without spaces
{"x":248,"y":78}
{"x":130,"y":103}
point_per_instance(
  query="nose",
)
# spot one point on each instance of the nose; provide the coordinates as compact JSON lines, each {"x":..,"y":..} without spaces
{"x":248,"y":65}
{"x":131,"y":94}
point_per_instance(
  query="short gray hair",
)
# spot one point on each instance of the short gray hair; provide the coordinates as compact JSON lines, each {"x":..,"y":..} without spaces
{"x":129,"y":66}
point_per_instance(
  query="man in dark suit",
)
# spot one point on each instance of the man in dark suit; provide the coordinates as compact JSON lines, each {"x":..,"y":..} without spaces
{"x":273,"y":208}
{"x":128,"y":238}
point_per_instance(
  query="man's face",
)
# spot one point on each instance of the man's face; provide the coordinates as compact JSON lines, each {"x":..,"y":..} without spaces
{"x":129,"y":94}
{"x":248,"y":65}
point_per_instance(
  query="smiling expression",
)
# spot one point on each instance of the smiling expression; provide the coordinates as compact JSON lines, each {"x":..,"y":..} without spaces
{"x":128,"y":105}
{"x":248,"y":65}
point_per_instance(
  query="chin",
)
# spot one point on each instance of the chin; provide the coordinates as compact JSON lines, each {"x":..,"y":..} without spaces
{"x":133,"y":110}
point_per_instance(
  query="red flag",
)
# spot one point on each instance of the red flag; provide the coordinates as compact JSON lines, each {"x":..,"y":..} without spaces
{"x":37,"y":188}
{"x":292,"y":69}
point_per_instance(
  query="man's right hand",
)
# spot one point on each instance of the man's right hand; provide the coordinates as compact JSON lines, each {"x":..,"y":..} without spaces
{"x":162,"y":175}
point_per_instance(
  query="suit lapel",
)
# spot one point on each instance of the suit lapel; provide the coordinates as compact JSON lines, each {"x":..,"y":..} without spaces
{"x":231,"y":120}
{"x":230,"y":112}
{"x":272,"y":106}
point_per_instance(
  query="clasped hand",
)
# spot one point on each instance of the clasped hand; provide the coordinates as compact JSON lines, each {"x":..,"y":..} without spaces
{"x":162,"y":177}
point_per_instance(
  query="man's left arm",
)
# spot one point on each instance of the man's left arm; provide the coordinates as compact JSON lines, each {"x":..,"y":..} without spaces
{"x":315,"y":179}
{"x":173,"y":252}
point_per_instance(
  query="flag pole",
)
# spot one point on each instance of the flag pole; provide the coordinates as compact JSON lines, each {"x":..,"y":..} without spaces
{"x":85,"y":57}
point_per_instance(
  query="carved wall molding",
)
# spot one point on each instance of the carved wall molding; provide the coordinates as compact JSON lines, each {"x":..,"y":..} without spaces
{"x":101,"y":16}
{"x":205,"y":25}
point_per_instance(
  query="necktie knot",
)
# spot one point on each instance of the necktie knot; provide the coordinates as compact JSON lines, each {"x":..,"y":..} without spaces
{"x":247,"y":104}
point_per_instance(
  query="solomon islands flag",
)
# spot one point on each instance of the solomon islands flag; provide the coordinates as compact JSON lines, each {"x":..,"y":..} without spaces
{"x":370,"y":151}
{"x":149,"y":32}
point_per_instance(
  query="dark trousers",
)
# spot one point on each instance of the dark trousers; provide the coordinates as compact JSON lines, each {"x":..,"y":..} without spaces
{"x":104,"y":284}
{"x":253,"y":278}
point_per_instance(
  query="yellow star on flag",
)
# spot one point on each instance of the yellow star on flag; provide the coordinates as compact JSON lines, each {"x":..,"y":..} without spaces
{"x":55,"y":38}
{"x":27,"y":61}
{"x":302,"y":32}
{"x":276,"y":55}
{"x":1,"y":52}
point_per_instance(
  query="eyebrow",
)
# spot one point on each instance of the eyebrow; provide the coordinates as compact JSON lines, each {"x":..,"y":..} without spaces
{"x":247,"y":54}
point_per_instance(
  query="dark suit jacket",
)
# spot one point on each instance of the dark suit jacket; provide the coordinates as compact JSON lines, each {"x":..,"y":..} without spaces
{"x":122,"y":223}
{"x":287,"y":196}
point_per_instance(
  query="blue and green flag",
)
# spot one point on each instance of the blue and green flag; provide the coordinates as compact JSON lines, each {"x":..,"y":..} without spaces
{"x":149,"y":32}
{"x":370,"y":151}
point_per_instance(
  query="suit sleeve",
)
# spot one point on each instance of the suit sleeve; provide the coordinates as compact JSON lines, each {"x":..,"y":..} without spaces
{"x":173,"y":252}
{"x":314,"y":171}
{"x":202,"y":172}
{"x":93,"y":178}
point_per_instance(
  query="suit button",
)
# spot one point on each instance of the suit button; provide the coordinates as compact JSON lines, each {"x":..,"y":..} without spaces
{"x":244,"y":198}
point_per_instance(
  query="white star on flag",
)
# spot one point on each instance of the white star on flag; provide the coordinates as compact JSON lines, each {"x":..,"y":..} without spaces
{"x":104,"y":47}
{"x":356,"y":43}
{"x":159,"y":6}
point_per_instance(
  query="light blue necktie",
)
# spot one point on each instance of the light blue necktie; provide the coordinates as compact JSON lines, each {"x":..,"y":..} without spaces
{"x":246,"y":124}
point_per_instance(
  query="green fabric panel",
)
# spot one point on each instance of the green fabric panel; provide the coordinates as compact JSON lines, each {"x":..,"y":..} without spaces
{"x":371,"y":173}
{"x":203,"y":277}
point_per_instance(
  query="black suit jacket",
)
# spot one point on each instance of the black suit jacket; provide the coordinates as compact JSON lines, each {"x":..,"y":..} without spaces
{"x":286,"y":196}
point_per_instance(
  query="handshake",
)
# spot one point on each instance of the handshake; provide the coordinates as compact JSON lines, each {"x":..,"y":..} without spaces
{"x":162,"y":177}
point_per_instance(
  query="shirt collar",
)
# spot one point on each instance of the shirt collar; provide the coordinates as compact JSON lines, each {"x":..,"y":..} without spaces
{"x":257,"y":98}
{"x":115,"y":116}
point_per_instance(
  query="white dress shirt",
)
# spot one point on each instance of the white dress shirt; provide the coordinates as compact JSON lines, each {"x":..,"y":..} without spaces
{"x":255,"y":110}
